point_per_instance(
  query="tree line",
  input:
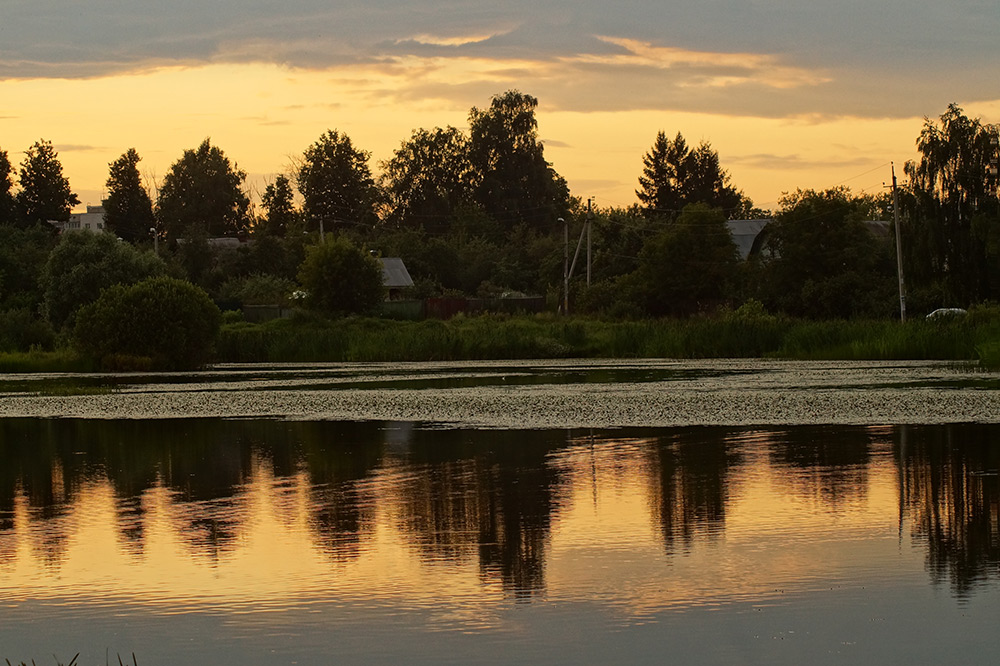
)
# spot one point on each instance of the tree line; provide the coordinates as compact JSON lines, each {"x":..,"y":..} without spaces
{"x":477,"y":212}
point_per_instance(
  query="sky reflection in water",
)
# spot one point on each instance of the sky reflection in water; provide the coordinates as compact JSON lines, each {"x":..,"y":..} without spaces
{"x":242,"y":541}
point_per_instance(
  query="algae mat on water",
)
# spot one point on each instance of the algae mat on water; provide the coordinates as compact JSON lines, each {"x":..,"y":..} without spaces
{"x":528,"y":394}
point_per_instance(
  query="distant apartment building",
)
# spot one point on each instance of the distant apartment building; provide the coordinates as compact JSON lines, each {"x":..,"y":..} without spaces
{"x":92,"y":220}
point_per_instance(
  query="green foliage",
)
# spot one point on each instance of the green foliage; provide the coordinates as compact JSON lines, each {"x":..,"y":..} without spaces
{"x":341,"y":278}
{"x":36,"y":360}
{"x":258,"y":289}
{"x":23,"y":253}
{"x":128,"y":210}
{"x":203,"y":194}
{"x":45,"y":193}
{"x":336,"y":183}
{"x":21,"y":330}
{"x":171,"y":322}
{"x":688,"y":267}
{"x":822,"y":262}
{"x":84,"y":263}
{"x":747,"y":332}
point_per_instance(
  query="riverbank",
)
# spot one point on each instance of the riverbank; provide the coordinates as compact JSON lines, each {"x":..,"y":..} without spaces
{"x":744,"y":333}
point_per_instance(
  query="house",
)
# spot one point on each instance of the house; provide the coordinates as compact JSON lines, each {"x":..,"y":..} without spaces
{"x":751,"y":235}
{"x":92,"y":220}
{"x":395,"y":277}
{"x":748,"y":235}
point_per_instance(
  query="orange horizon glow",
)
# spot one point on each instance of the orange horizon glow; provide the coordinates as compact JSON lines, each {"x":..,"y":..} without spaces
{"x":264,"y":116}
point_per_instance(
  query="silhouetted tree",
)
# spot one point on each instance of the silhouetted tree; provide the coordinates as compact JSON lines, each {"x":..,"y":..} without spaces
{"x":820,"y":259}
{"x":172,"y":322}
{"x":674,"y":176}
{"x":660,"y":185}
{"x":128,"y":210}
{"x":8,"y":207}
{"x":203,"y":191}
{"x":336,"y":183}
{"x":45,"y":193}
{"x":428,"y":177}
{"x":689,"y":266}
{"x":279,"y":208}
{"x":512,"y":181}
{"x":83,"y":264}
{"x":953,"y":242}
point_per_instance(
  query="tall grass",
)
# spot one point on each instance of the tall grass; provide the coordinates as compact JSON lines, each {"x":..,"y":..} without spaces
{"x":62,"y":360}
{"x":748,"y":332}
{"x":737,"y":334}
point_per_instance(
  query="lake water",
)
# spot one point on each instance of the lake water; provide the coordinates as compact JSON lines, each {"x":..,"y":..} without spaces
{"x":571,"y":512}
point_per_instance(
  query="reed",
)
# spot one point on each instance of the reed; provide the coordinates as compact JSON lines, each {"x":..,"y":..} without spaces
{"x":737,"y":334}
{"x":60,"y":360}
{"x":748,"y":332}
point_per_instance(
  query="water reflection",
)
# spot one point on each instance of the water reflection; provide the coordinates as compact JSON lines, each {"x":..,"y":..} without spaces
{"x":321,"y":494}
{"x":690,"y":475}
{"x":950,"y":488}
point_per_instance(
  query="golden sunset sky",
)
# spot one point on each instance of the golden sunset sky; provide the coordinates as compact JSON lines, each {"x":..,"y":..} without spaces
{"x":791,"y":94}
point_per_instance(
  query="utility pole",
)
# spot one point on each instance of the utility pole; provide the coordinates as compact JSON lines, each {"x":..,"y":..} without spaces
{"x":565,"y":265}
{"x":590,"y":218}
{"x":899,"y":247}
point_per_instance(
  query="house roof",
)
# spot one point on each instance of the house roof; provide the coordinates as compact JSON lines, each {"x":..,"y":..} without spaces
{"x":745,"y":233}
{"x":394,"y":273}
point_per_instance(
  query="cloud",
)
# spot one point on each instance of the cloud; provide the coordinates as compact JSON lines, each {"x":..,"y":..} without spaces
{"x":77,"y":148}
{"x":794,"y":162}
{"x":705,"y":68}
{"x":770,"y":58}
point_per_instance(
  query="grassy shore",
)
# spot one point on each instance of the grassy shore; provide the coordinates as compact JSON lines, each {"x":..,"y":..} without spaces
{"x":748,"y":332}
{"x":744,"y":333}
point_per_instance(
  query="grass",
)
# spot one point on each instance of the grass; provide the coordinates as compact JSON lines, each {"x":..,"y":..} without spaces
{"x":748,"y":332}
{"x":738,"y":334}
{"x":62,"y":360}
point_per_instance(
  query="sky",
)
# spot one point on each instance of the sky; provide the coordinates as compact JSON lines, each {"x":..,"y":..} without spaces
{"x":792,"y":94}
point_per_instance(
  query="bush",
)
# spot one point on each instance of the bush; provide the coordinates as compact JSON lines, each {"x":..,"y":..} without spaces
{"x":20,"y":330}
{"x":84,"y":263}
{"x":171,"y":322}
{"x":341,"y":279}
{"x":258,"y":289}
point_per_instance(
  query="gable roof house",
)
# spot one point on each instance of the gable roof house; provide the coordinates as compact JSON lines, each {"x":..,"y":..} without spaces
{"x":395,"y":277}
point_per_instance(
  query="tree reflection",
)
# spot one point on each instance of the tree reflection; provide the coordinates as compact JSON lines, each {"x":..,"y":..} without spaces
{"x":691,"y":470}
{"x":479,"y":497}
{"x":488,"y":493}
{"x":203,"y":463}
{"x":829,"y":464}
{"x":950,"y":490}
{"x":336,"y":457}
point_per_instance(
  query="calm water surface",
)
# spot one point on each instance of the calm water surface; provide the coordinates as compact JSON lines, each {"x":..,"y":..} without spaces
{"x":305,"y":537}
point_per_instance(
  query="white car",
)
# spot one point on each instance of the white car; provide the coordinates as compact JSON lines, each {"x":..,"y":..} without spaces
{"x":946,"y":313}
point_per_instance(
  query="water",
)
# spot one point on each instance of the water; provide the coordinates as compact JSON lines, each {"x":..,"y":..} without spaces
{"x":282,"y":532}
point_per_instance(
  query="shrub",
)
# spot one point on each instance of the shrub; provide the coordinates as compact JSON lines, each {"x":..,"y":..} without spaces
{"x":258,"y":289}
{"x":20,"y":330}
{"x":341,"y":278}
{"x":84,"y":263}
{"x":170,"y":321}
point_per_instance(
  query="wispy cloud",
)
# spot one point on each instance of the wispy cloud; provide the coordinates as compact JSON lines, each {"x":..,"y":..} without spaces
{"x":794,"y":161}
{"x":705,"y":68}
